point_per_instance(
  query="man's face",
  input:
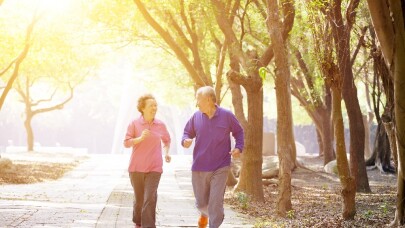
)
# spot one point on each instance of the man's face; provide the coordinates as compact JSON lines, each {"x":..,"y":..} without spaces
{"x":203,"y":103}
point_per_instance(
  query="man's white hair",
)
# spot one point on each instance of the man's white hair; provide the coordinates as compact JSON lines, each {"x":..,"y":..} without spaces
{"x":207,"y":91}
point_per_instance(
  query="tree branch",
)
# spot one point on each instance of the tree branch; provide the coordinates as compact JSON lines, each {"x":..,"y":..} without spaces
{"x":288,"y":22}
{"x":198,"y":80}
{"x":20,"y":58}
{"x":359,"y":44}
{"x":179,"y":31}
{"x":57,"y":106}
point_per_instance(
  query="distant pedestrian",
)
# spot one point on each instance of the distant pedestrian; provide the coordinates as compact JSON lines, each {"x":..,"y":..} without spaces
{"x":211,"y":127}
{"x":145,"y":135}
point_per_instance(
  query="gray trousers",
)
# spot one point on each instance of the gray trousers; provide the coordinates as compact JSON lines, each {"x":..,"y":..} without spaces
{"x":145,"y":190}
{"x":209,"y":190}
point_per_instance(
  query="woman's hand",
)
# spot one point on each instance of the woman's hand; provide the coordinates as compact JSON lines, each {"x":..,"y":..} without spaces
{"x":145,"y":133}
{"x":168,"y":158}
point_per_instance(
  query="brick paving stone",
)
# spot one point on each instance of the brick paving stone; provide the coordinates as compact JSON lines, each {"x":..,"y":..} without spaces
{"x":98,"y":193}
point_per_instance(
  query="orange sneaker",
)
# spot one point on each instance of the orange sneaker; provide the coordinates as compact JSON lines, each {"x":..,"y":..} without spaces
{"x":202,"y":222}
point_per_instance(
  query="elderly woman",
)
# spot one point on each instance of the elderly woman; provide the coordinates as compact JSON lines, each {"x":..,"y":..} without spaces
{"x":145,"y":135}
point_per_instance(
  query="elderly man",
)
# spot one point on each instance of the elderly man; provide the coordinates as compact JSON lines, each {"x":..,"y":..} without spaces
{"x":211,"y":127}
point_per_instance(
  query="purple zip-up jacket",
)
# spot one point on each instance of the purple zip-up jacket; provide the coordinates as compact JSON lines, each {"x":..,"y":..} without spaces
{"x":212,"y":139}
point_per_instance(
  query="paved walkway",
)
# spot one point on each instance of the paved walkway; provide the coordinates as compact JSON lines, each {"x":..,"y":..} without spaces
{"x":98,"y":194}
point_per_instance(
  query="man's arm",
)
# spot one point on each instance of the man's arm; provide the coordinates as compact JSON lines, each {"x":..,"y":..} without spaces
{"x":237,"y":133}
{"x":188,"y":134}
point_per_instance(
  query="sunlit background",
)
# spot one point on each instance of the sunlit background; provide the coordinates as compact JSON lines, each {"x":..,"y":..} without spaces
{"x":93,"y":46}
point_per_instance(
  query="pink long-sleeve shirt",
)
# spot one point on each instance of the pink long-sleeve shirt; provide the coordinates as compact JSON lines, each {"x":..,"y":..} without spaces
{"x":147,"y":155}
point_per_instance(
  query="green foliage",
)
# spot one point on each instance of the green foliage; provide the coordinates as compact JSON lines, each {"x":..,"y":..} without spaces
{"x":117,"y":21}
{"x":263,"y":73}
{"x":368,"y":214}
{"x":291,"y":214}
{"x":384,"y":208}
{"x":243,"y":200}
{"x":263,"y":224}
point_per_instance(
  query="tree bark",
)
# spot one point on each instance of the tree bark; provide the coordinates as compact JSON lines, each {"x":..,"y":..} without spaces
{"x":390,"y":129}
{"x":250,"y":178}
{"x":285,"y":137}
{"x":382,"y":84}
{"x":320,"y":143}
{"x":399,"y":97}
{"x":317,"y":108}
{"x":347,"y":181}
{"x":341,"y":35}
{"x":327,"y":127}
{"x":30,"y":132}
{"x":367,"y":149}
{"x":381,"y":157}
{"x":388,"y":20}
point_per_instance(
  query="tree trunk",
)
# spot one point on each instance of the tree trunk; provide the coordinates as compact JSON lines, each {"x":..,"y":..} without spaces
{"x":398,"y":15}
{"x":328,"y":127}
{"x":382,"y":83}
{"x":390,"y":129}
{"x":347,"y":181}
{"x":367,"y":149}
{"x":388,"y":20}
{"x":341,"y":36}
{"x":231,"y":181}
{"x":327,"y":135}
{"x":381,"y":157}
{"x":250,"y":179}
{"x":30,"y":132}
{"x":320,"y":142}
{"x":357,"y":135}
{"x":237,"y":98}
{"x":285,"y":137}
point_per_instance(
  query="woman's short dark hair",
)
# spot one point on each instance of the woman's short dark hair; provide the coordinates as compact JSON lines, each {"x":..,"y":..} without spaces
{"x":142,"y":101}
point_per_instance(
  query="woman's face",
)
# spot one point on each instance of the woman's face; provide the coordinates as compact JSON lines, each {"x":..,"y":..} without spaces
{"x":150,"y":108}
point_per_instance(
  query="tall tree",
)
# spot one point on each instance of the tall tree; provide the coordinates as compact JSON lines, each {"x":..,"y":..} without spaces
{"x":245,"y":64}
{"x":382,"y":85}
{"x":250,"y":176}
{"x":36,"y":106}
{"x":341,"y":30}
{"x":388,"y":19}
{"x":285,"y":149}
{"x":56,"y":56}
{"x":317,"y":103}
{"x":308,"y":85}
{"x":347,"y":180}
{"x":334,"y":80}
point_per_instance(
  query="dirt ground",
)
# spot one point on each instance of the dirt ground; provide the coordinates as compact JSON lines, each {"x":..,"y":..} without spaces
{"x":316,"y":200}
{"x":33,"y":167}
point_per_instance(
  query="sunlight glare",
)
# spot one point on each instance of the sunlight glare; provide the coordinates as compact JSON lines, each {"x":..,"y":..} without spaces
{"x":55,"y":6}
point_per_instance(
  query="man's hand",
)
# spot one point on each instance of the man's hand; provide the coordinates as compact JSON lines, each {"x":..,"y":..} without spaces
{"x":187,"y":143}
{"x":235,"y":153}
